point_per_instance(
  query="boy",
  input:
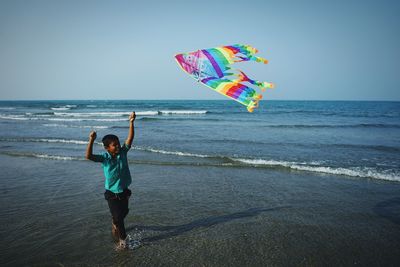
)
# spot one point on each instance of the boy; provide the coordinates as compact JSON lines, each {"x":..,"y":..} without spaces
{"x":117,"y":177}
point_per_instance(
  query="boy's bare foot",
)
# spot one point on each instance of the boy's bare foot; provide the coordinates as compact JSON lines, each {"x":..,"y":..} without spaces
{"x":122,"y":244}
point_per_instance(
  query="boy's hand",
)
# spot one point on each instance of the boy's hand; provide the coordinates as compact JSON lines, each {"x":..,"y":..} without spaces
{"x":92,"y":135}
{"x":132,"y":117}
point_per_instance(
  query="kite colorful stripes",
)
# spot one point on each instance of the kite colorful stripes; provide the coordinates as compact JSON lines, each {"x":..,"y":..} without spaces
{"x":212,"y":68}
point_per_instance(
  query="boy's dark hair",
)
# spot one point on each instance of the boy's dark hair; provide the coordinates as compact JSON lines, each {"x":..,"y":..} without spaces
{"x":108,"y":139}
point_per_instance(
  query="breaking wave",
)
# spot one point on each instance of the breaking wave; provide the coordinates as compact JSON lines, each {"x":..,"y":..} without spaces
{"x":58,"y":115}
{"x":66,"y":107}
{"x":353,"y":172}
{"x":225,"y":161}
{"x":76,"y":126}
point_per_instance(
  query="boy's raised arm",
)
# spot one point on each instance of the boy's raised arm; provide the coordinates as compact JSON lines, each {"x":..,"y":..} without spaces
{"x":89,"y":149}
{"x":131,"y":133}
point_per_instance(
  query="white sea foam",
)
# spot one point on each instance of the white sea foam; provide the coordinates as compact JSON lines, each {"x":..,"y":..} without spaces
{"x":60,"y":108}
{"x":91,"y":114}
{"x":75,"y":126}
{"x":46,"y":118}
{"x":7,"y":108}
{"x":105,"y":114}
{"x":126,"y":113}
{"x":53,"y":157}
{"x":47,"y":140}
{"x":14,"y":117}
{"x":94,"y":116}
{"x":177,"y":153}
{"x":354,"y":172}
{"x":65,"y":141}
{"x":84,"y":119}
{"x":313,"y":166}
{"x":183,"y":112}
{"x":66,"y":107}
{"x":147,"y":113}
{"x":42,"y":156}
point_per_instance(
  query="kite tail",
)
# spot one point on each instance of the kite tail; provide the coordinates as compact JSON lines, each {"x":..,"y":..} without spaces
{"x":253,"y":58}
{"x":246,"y":49}
{"x":255,"y":99}
{"x":254,"y":103}
{"x":263,"y":85}
{"x":259,"y":59}
{"x":249,"y":52}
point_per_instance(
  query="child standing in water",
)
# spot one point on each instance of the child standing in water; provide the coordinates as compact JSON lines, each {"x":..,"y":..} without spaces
{"x":117,"y":177}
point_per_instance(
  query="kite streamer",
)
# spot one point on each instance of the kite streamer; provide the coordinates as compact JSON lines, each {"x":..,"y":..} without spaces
{"x":212,"y":68}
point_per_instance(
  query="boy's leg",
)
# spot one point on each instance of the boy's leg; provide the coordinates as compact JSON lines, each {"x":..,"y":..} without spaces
{"x":125,"y":208}
{"x":125,"y":202}
{"x":114,"y":231}
{"x":117,"y":209}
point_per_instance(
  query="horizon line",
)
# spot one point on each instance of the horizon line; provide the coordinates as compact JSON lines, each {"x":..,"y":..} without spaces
{"x":263,"y":100}
{"x":311,"y":100}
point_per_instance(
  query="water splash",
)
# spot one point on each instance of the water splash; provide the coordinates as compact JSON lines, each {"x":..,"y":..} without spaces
{"x":134,"y":240}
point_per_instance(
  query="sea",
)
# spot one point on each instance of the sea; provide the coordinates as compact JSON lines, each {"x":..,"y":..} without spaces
{"x":295,"y":183}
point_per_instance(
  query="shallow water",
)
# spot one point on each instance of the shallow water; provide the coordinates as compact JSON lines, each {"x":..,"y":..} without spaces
{"x":197,"y":216}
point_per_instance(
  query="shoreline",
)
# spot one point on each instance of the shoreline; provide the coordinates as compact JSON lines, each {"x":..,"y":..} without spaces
{"x":283,"y":166}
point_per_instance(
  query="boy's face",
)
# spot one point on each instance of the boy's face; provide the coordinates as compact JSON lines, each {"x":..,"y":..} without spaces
{"x":113,"y":148}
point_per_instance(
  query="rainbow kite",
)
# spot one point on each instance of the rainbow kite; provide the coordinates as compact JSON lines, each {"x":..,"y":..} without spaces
{"x":211,"y":66}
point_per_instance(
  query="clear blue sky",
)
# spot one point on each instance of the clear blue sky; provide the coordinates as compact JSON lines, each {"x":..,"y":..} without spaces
{"x":318,"y":50}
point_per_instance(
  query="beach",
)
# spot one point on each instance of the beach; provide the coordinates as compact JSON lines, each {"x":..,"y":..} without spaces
{"x":296,"y":184}
{"x":196,"y":216}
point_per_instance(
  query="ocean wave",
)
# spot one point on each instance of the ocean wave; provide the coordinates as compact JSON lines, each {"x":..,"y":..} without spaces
{"x":183,"y":112}
{"x":383,"y":148}
{"x":91,"y":114}
{"x":94,"y":116}
{"x":170,"y":118}
{"x":313,"y":166}
{"x":64,"y":141}
{"x":66,"y":107}
{"x":54,"y":157}
{"x":176,"y":153}
{"x":40,"y":114}
{"x":147,"y":113}
{"x":179,"y":153}
{"x":41,"y":156}
{"x":223,"y":160}
{"x":125,"y":113}
{"x":76,"y":126}
{"x":363,"y":172}
{"x":48,"y":118}
{"x":85,"y":119}
{"x":14,"y":117}
{"x":60,"y":108}
{"x":47,"y":140}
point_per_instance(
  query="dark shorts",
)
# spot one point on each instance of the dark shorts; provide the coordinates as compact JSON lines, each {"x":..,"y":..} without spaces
{"x":108,"y":195}
{"x":118,"y":204}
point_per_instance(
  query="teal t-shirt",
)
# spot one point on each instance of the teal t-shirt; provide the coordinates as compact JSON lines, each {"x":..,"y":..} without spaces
{"x":116,"y":170}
